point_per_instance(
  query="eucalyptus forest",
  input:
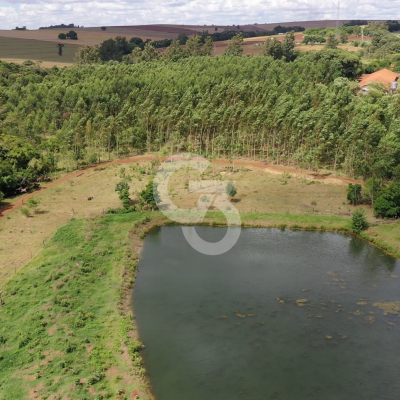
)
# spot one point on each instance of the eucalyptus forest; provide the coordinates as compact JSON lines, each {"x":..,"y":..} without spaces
{"x":307,"y":112}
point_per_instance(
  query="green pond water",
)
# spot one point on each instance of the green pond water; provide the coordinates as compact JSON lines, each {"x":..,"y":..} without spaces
{"x":228,"y":327}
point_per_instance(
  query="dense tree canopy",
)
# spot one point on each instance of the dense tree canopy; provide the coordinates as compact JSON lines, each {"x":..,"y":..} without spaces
{"x":307,"y":112}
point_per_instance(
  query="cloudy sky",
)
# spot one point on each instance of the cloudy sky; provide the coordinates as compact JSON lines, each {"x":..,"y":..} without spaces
{"x":35,"y":13}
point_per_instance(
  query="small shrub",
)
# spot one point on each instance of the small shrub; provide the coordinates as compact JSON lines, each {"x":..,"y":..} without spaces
{"x":143,"y":233}
{"x":230,"y":189}
{"x":33,"y":203}
{"x":358,"y":221}
{"x":25,"y":212}
{"x":122,"y":186}
{"x":69,"y":347}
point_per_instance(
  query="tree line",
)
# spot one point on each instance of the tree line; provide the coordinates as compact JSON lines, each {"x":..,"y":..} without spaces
{"x":115,"y":49}
{"x":306,"y":112}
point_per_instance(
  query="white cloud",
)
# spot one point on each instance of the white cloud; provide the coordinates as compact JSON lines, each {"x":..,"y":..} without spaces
{"x":35,"y":13}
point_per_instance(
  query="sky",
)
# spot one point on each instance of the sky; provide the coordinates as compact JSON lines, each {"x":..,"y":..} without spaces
{"x":36,"y":13}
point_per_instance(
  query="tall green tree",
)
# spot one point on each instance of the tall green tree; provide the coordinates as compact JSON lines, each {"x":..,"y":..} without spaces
{"x":235,"y":46}
{"x":175,"y":51}
{"x":288,"y":46}
{"x":272,"y":47}
{"x":331,"y":42}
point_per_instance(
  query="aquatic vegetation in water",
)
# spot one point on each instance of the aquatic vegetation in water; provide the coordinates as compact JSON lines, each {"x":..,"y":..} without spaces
{"x":389,"y":308}
{"x":301,"y":302}
{"x":370,"y":319}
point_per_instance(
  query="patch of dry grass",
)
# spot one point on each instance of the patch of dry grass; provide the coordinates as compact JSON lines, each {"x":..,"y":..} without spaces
{"x":259,"y":191}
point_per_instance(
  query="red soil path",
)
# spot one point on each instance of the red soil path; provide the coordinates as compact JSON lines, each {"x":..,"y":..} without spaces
{"x":253,"y":164}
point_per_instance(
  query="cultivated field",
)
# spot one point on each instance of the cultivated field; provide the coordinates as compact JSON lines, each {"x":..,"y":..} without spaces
{"x":19,"y":50}
{"x":18,"y":46}
{"x":88,"y":36}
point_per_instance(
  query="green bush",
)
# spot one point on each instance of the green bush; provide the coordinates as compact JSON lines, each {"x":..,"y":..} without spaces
{"x":25,"y":212}
{"x":122,"y":186}
{"x":387,"y":205}
{"x":359,"y":221}
{"x":33,"y":203}
{"x":354,"y":194}
{"x":230,"y":189}
{"x":150,"y":195}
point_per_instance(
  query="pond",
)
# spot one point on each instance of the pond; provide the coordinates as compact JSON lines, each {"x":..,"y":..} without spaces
{"x":288,"y":315}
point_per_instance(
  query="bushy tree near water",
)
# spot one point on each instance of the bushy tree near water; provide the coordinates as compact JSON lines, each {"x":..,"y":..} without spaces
{"x":149,"y":196}
{"x":388,"y":202}
{"x":358,"y":220}
{"x":231,"y":189}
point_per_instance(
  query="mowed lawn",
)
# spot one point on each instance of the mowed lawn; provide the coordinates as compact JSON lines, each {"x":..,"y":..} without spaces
{"x":18,"y":50}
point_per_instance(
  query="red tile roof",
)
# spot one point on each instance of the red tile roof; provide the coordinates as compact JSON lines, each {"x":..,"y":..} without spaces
{"x":382,"y":76}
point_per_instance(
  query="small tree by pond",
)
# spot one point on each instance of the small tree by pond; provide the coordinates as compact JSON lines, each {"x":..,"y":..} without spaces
{"x":358,"y":221}
{"x":230,"y":189}
{"x":122,"y":188}
{"x":150,"y":195}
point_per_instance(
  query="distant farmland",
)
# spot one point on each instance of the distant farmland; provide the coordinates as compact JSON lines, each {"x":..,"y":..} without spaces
{"x":18,"y":46}
{"x":18,"y":50}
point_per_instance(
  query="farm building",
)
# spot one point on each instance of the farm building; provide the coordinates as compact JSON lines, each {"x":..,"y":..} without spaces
{"x":384,"y":76}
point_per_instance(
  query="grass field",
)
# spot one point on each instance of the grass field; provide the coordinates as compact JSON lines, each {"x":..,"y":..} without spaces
{"x":66,"y":330}
{"x":260,"y":190}
{"x":19,"y":50}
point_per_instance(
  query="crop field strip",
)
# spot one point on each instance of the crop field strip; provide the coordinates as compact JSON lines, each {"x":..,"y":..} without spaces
{"x":11,"y":48}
